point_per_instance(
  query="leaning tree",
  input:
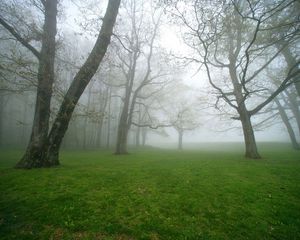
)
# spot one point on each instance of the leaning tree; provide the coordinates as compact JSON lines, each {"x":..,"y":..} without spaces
{"x":44,"y":145}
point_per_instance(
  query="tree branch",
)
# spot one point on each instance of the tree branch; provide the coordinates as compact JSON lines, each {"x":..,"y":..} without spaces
{"x":19,"y":38}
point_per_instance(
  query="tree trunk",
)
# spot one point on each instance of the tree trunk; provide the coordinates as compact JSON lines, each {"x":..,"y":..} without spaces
{"x":144,"y":136}
{"x":137,"y":136}
{"x":138,"y":129}
{"x":99,"y":133}
{"x":104,"y":99}
{"x":291,"y":61}
{"x":294,"y":107}
{"x":124,"y":121}
{"x":121,"y":147}
{"x":180,"y":137}
{"x":245,"y":117}
{"x":80,"y":82}
{"x":287,"y":124}
{"x":1,"y":118}
{"x":86,"y":117}
{"x":249,"y":138}
{"x":24,"y":127}
{"x":47,"y":154}
{"x":33,"y":157}
{"x":108,"y":120}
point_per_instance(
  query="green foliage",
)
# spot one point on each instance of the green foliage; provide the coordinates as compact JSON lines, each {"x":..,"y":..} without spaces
{"x":153,"y":194}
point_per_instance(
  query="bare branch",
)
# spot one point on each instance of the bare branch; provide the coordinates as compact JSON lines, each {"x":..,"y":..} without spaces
{"x":19,"y":38}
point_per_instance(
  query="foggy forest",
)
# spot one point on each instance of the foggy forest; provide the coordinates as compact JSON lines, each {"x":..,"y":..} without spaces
{"x":159,"y":119}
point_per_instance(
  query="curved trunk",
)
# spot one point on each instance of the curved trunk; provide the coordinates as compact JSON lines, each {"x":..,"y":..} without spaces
{"x":51,"y":147}
{"x":291,"y":61}
{"x":287,"y":124}
{"x":34,"y":155}
{"x":80,"y":82}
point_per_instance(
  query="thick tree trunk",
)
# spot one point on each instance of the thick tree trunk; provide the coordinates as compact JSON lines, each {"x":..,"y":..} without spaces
{"x":121,"y":147}
{"x":1,"y":118}
{"x":287,"y":124}
{"x":180,"y":137}
{"x":79,"y":84}
{"x":34,"y":155}
{"x":45,"y":151}
{"x":249,"y":138}
{"x":124,"y":121}
{"x":245,"y":118}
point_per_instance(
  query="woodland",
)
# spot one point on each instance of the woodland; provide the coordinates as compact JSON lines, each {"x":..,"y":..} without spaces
{"x":110,"y":113}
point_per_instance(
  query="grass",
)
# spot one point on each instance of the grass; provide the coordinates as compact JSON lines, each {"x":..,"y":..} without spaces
{"x":153,"y":194}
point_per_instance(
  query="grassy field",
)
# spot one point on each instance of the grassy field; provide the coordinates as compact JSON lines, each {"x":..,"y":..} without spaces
{"x":153,"y":194}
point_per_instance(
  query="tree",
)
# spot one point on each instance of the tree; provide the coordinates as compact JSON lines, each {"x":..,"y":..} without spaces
{"x":138,"y":43}
{"x":185,"y":120}
{"x":286,"y":121}
{"x":45,"y":82}
{"x":43,"y":148}
{"x":79,"y":83}
{"x":230,"y":40}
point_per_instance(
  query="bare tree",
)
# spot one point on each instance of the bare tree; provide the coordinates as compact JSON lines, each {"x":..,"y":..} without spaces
{"x":138,"y":43}
{"x":185,"y":119}
{"x":229,"y":36}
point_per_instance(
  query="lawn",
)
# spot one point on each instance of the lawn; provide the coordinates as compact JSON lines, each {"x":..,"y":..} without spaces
{"x":154,"y":194}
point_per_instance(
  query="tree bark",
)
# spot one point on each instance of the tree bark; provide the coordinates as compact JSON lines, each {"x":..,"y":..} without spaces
{"x":138,"y":129}
{"x":33,"y":157}
{"x":102,"y":108}
{"x":287,"y":124}
{"x":292,"y":101}
{"x":121,"y":147}
{"x":108,"y":120}
{"x":86,"y":118}
{"x":249,"y":138}
{"x":180,"y":137}
{"x":125,"y":118}
{"x":122,"y":141}
{"x":144,"y":136}
{"x":80,"y":82}
{"x":1,"y":117}
{"x":291,"y":61}
{"x":245,"y":117}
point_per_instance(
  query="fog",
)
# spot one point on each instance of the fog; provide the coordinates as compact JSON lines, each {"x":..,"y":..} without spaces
{"x":176,"y":74}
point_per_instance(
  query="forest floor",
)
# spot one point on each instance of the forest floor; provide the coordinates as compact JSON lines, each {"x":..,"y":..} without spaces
{"x":153,"y":194}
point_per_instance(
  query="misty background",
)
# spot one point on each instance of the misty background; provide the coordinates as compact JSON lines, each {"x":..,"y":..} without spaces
{"x":180,"y":83}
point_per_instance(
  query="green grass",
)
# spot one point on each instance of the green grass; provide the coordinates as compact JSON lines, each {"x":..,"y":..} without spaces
{"x":153,"y":194}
